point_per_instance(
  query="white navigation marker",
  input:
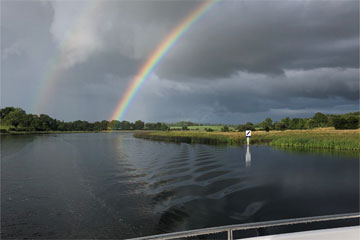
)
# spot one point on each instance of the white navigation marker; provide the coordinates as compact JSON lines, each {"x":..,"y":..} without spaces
{"x":248,"y":135}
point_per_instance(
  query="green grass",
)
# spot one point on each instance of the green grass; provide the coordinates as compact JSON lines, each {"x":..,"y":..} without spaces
{"x":311,"y":139}
{"x":5,"y":127}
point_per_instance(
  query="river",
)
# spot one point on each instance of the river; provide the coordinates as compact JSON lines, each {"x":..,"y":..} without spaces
{"x":112,"y":185}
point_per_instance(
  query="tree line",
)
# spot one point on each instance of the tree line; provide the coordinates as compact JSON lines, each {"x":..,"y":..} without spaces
{"x":19,"y":120}
{"x":341,"y":121}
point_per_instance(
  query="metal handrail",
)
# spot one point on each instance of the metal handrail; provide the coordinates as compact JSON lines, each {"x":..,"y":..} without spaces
{"x":236,"y":227}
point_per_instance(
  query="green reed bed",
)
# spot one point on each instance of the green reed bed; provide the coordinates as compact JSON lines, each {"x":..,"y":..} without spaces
{"x":311,"y":139}
{"x":187,"y":137}
{"x":338,"y":144}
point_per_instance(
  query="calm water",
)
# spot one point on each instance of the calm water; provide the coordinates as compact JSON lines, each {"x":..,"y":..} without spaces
{"x":115,"y":186}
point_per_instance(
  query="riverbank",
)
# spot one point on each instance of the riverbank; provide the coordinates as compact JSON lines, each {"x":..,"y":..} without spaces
{"x":321,"y":138}
{"x":61,"y":132}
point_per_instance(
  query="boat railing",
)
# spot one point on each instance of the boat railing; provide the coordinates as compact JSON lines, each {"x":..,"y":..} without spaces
{"x":256,"y":225}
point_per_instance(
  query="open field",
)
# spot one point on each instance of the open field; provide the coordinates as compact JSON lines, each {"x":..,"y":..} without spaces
{"x":324,"y":138}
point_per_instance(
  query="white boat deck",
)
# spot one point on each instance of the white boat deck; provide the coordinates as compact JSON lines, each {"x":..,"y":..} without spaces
{"x":344,"y":233}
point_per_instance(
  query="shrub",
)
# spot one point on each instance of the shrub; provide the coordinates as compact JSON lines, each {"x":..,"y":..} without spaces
{"x":342,"y":123}
{"x":225,"y":129}
{"x":352,"y":122}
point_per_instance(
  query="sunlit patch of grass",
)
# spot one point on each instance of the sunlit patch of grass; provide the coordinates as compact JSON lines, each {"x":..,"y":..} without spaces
{"x":5,"y":127}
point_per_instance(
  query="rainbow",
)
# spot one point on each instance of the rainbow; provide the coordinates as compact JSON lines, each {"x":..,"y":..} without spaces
{"x":54,"y":68}
{"x":157,"y":56}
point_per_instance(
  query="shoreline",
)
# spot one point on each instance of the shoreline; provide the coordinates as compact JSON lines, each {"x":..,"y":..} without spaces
{"x":14,"y":133}
{"x":306,"y":139}
{"x":326,"y":139}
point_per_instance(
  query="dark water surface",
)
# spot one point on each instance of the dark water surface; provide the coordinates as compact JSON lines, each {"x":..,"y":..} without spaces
{"x":112,"y":185}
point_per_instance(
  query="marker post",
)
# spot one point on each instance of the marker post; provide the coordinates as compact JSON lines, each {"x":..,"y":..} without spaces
{"x":248,"y":135}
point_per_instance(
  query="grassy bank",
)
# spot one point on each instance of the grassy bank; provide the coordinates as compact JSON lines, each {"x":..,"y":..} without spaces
{"x":327,"y":138}
{"x":5,"y":127}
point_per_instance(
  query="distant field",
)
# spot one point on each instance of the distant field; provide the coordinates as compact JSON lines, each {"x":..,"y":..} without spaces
{"x":202,"y":128}
{"x":325,"y":138}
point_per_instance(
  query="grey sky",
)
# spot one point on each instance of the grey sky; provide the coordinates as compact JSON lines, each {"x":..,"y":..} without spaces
{"x":242,"y":61}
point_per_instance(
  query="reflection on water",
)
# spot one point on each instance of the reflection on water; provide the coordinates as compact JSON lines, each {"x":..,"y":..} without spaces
{"x":116,"y":186}
{"x":248,"y":157}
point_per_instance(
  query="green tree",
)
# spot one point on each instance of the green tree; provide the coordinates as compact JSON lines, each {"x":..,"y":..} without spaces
{"x":125,"y":125}
{"x":26,"y":123}
{"x":103,"y":125}
{"x":114,"y":125}
{"x":241,"y":128}
{"x":61,"y":126}
{"x":320,"y":119}
{"x":6,"y":111}
{"x":15,"y":117}
{"x":311,"y":123}
{"x":164,"y":127}
{"x":301,"y":124}
{"x":97,"y":126}
{"x":286,"y":122}
{"x":267,"y":123}
{"x":342,"y":123}
{"x":249,"y":126}
{"x":279,"y":126}
{"x":158,"y":126}
{"x":47,"y":123}
{"x":225,"y":129}
{"x":139,"y":125}
{"x":149,"y":126}
{"x":352,"y":122}
{"x":339,"y":123}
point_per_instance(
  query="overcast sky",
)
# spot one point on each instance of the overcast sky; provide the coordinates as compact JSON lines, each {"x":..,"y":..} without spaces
{"x":242,"y":61}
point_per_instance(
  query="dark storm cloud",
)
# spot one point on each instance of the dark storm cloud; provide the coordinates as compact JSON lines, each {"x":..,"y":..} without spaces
{"x":242,"y":61}
{"x":101,"y":65}
{"x":250,"y":97}
{"x":267,"y":37}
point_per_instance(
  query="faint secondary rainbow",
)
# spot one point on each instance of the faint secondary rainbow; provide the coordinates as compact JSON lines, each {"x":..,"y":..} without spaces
{"x":54,"y":69}
{"x":157,"y":56}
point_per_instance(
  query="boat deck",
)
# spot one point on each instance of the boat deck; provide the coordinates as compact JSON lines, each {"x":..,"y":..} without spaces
{"x":344,"y":233}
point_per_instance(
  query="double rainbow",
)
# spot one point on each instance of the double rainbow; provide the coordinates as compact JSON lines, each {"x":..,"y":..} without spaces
{"x":157,"y":56}
{"x":54,"y":69}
